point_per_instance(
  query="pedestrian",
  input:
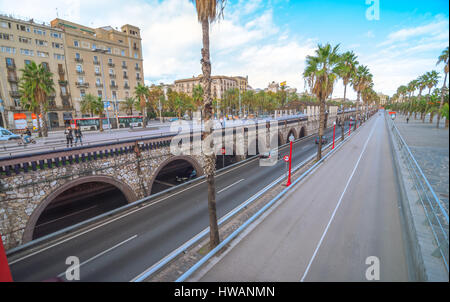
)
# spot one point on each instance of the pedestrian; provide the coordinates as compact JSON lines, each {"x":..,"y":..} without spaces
{"x":27,"y":136}
{"x":407,"y":119}
{"x":69,"y":136}
{"x":78,"y":135}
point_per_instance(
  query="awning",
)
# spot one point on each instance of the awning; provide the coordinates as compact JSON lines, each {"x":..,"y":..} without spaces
{"x":33,"y":116}
{"x":20,"y":116}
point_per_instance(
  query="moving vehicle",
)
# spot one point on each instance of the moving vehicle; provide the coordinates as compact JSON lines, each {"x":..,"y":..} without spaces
{"x":6,"y":135}
{"x":131,"y":121}
{"x":89,"y":123}
{"x":324,"y":140}
{"x":187,"y":176}
{"x":269,"y":154}
{"x":23,"y":142}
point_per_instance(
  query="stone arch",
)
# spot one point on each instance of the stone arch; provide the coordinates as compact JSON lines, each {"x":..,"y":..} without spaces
{"x":187,"y":158}
{"x":294,"y":132}
{"x":31,"y":223}
{"x":302,"y":132}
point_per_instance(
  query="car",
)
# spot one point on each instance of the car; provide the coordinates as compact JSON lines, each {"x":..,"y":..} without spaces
{"x":324,"y":140}
{"x":174,"y":119}
{"x":6,"y":135}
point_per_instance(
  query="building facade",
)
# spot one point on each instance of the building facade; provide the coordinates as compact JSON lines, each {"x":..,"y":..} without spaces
{"x":102,"y":61}
{"x":219,"y":85}
{"x":20,"y":43}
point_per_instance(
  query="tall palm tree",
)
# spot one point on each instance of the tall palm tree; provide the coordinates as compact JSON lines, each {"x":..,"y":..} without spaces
{"x":87,"y":104}
{"x":98,"y":108}
{"x":141,"y":91}
{"x":443,"y":58}
{"x":346,"y":71}
{"x":360,"y":81}
{"x":322,"y":71}
{"x":207,"y":12}
{"x":37,"y":83}
{"x":432,"y":78}
{"x":197,"y":96}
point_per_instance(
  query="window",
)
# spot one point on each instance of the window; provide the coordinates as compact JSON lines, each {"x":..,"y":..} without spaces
{"x":116,"y":51}
{"x":94,"y":46}
{"x":97,"y":70}
{"x":77,"y":56}
{"x":114,"y":95}
{"x":111,"y":71}
{"x":126,"y":84}
{"x":25,"y":40}
{"x":76,"y":44}
{"x":110,"y":61}
{"x":7,"y":49}
{"x":41,"y":42}
{"x":135,"y":55}
{"x":79,"y":68}
{"x":122,"y":52}
{"x":95,"y":59}
{"x":27,"y":62}
{"x":98,"y":82}
{"x":9,"y":62}
{"x":6,"y":37}
{"x":80,"y":80}
{"x":42,"y":54}
{"x":23,"y":28}
{"x":82,"y":93}
{"x":39,"y":32}
{"x":137,"y":65}
{"x":137,"y":75}
{"x":17,"y":102}
{"x":46,"y":66}
{"x":113,"y":83}
{"x":108,"y":50}
{"x":99,"y":93}
{"x":85,"y":44}
{"x":125,"y":74}
{"x":57,"y":45}
{"x":63,"y":90}
{"x":27,"y":52}
{"x":58,"y":56}
{"x":6,"y":24}
{"x":56,"y":35}
{"x":120,"y":41}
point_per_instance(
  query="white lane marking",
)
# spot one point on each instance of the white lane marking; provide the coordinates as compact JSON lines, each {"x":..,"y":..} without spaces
{"x":230,"y":186}
{"x":128,"y":213}
{"x":101,"y":254}
{"x":337,"y":206}
{"x":65,"y":216}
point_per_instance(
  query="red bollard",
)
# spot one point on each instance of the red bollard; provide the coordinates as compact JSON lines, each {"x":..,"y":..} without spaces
{"x":5,"y":273}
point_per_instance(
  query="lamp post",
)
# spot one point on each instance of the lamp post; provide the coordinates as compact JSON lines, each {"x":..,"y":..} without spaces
{"x":350,"y":126}
{"x":334,"y":132}
{"x":291,"y":140}
{"x":104,"y":89}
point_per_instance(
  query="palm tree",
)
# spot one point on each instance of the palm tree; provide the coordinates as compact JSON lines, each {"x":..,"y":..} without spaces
{"x":197,"y":96}
{"x":346,"y":71}
{"x":432,"y":78}
{"x":322,"y":71}
{"x":128,"y":105}
{"x":442,"y":58}
{"x":98,"y":108}
{"x":36,"y":84}
{"x":360,"y":81}
{"x":207,"y":12}
{"x":87,"y":104}
{"x":142,"y":93}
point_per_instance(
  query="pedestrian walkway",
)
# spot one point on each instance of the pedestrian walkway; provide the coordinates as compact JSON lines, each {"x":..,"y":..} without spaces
{"x":330,"y":227}
{"x":430,"y":147}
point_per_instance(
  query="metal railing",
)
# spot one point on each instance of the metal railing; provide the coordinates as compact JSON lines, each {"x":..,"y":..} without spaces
{"x":435,"y":212}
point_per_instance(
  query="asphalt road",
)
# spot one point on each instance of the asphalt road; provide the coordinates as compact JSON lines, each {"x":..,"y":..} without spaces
{"x":327,"y":227}
{"x":122,"y":248}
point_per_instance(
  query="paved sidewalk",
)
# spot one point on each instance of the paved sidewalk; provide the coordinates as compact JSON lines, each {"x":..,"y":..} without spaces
{"x":430,"y":147}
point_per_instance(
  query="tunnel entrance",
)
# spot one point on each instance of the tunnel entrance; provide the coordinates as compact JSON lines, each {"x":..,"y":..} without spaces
{"x":78,"y":204}
{"x":174,"y":173}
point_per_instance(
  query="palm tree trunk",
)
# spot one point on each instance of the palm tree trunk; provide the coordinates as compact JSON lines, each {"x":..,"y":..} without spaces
{"x":442,"y":101}
{"x":44,"y":120}
{"x":209,"y":159}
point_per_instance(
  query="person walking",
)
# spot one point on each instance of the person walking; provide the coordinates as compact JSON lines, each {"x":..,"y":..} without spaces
{"x":407,"y":119}
{"x":69,"y":136}
{"x":78,"y":136}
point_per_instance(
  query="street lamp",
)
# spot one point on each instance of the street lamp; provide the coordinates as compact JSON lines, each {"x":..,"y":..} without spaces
{"x":291,"y":140}
{"x":104,"y":89}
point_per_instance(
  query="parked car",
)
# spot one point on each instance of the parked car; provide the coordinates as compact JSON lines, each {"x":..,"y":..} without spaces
{"x":6,"y":135}
{"x":324,"y":140}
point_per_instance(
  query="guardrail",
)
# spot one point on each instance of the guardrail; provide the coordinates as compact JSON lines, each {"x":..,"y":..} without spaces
{"x":436,"y":214}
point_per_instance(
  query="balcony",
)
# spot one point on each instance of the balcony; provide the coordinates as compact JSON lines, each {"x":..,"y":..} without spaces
{"x":114,"y":86}
{"x":79,"y":60}
{"x":80,"y":72}
{"x":61,"y":71}
{"x":62,"y":82}
{"x":96,"y":62}
{"x":12,"y":78}
{"x":98,"y":85}
{"x":82,"y":84}
{"x":126,"y":86}
{"x":137,"y":68}
{"x":112,"y":75}
{"x":98,"y":73}
{"x":125,"y":76}
{"x":124,"y":66}
{"x":51,"y":105}
{"x":138,"y":78}
{"x":11,"y":66}
{"x":135,"y":48}
{"x":111,"y":64}
{"x":14,"y":94}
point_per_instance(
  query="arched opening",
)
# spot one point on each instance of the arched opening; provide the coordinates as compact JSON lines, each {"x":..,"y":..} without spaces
{"x":291,"y":132}
{"x":302,"y":132}
{"x":75,"y":202}
{"x":175,"y":172}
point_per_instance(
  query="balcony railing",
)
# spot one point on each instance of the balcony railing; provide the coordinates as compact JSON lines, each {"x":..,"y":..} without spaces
{"x":12,"y":78}
{"x":114,"y":86}
{"x":98,"y":73}
{"x":112,"y":75}
{"x":11,"y":66}
{"x":81,"y":84}
{"x":79,"y":60}
{"x":111,"y":64}
{"x":124,"y":66}
{"x":138,"y":78}
{"x":126,"y":86}
{"x":80,"y":72}
{"x":62,"y":82}
{"x":61,"y":71}
{"x":125,"y":76}
{"x":98,"y":85}
{"x":96,"y":62}
{"x":137,"y":68}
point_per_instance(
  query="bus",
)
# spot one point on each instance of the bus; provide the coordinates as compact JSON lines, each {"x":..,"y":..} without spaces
{"x":89,"y":123}
{"x":133,"y":121}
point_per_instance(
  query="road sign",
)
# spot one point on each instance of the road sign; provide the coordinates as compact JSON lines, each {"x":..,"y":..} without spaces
{"x":107,"y":104}
{"x":286,"y":158}
{"x":223,"y":151}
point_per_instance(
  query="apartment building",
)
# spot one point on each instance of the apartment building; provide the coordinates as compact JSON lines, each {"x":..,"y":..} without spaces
{"x":104,"y":61}
{"x":219,"y":85}
{"x":20,"y":43}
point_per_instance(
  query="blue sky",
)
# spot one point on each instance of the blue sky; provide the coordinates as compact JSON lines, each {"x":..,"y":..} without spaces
{"x":269,"y":40}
